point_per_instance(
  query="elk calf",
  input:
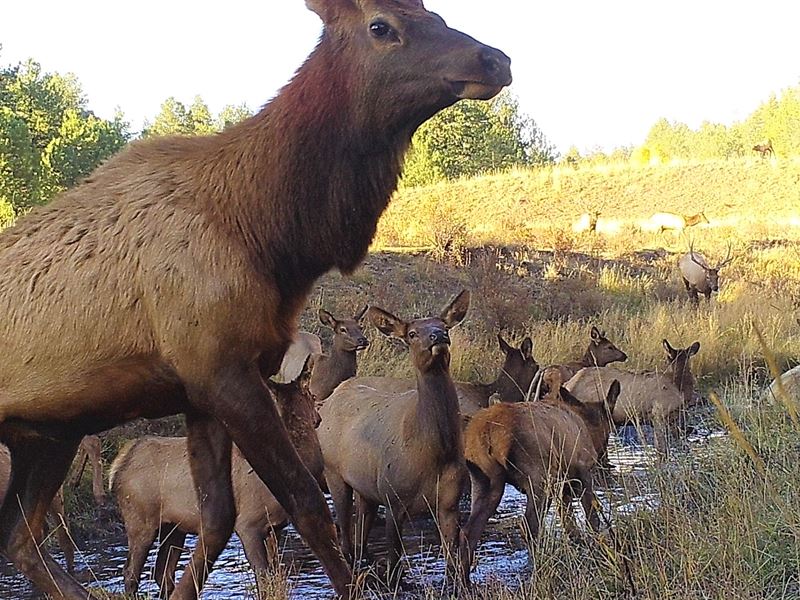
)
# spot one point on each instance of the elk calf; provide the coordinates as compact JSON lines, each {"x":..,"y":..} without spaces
{"x":652,"y":397}
{"x":512,"y":383}
{"x":535,"y":446}
{"x":601,"y":351}
{"x":398,"y":447}
{"x":329,"y":370}
{"x":152,"y":483}
{"x":698,"y":277}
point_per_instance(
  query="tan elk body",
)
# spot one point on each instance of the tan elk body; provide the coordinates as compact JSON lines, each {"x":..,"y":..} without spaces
{"x":152,"y":483}
{"x":398,"y":447}
{"x":170,"y":279}
{"x":654,"y":397}
{"x":698,"y":277}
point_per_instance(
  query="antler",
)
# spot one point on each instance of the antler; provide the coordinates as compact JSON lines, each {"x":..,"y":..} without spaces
{"x":361,"y":314}
{"x":728,"y":258}
{"x":691,"y":255}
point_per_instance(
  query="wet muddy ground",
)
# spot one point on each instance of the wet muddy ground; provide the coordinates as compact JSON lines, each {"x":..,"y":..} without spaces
{"x":502,"y":555}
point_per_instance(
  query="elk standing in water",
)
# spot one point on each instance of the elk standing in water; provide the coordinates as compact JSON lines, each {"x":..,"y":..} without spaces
{"x":151,"y":480}
{"x":653,"y":397}
{"x":398,"y":447}
{"x":329,"y":370}
{"x":170,"y":280}
{"x":698,"y":277}
{"x":534,"y":446}
{"x":601,"y":352}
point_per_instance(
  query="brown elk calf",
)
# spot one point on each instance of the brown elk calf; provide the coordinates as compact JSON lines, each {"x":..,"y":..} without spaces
{"x":512,"y":383}
{"x":400,"y":448}
{"x":329,"y":370}
{"x":197,"y":255}
{"x":152,"y":483}
{"x":698,"y":277}
{"x":653,"y":397}
{"x":534,"y":446}
{"x":601,"y":352}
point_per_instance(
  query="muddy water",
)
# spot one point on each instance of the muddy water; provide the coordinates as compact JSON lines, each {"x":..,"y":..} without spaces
{"x":502,"y":555}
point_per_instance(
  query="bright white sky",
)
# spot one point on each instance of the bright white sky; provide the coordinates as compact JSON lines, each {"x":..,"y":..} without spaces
{"x":592,"y":74}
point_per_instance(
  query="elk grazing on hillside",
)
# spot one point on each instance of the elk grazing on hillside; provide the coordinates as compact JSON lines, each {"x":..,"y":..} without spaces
{"x":587,"y":223}
{"x":764,"y":149}
{"x":329,"y":370}
{"x":151,"y":480}
{"x":601,"y":352}
{"x":398,"y":447}
{"x":652,"y":397}
{"x":535,"y":446}
{"x":663,"y":221}
{"x":170,"y":280}
{"x":303,"y":345}
{"x":512,"y":383}
{"x":698,"y":277}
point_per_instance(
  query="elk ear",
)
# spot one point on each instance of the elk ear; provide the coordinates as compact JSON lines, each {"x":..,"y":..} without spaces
{"x":361,"y":314}
{"x":331,"y":10}
{"x":387,"y":323}
{"x":669,"y":349}
{"x":456,"y":310}
{"x":304,"y":378}
{"x":595,"y":334}
{"x":504,"y":346}
{"x":693,"y":349}
{"x":327,"y":319}
{"x":526,"y":348}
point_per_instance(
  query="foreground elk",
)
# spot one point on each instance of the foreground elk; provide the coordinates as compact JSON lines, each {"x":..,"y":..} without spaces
{"x":329,"y":370}
{"x":512,"y":384}
{"x":698,"y":277}
{"x":601,"y":352}
{"x":170,"y":280}
{"x":400,"y":448}
{"x":151,"y":480}
{"x":536,"y":446}
{"x":654,"y":397}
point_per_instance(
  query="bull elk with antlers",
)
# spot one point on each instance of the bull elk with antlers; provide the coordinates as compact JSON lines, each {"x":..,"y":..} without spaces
{"x":170,"y":280}
{"x":698,"y":277}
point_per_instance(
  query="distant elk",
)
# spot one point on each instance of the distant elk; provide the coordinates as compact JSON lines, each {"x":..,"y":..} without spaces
{"x":765,"y":149}
{"x":587,"y":223}
{"x":171,"y":278}
{"x":664,"y":221}
{"x":329,"y":370}
{"x":601,"y":352}
{"x":698,"y":277}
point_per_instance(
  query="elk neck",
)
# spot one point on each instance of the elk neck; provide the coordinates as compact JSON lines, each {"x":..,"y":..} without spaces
{"x":437,"y":413}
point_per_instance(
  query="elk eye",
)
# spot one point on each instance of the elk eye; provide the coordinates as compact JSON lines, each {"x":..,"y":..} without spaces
{"x":379,"y":29}
{"x":412,"y":334}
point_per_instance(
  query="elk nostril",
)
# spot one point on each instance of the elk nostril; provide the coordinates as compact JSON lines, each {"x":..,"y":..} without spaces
{"x":490,"y":60}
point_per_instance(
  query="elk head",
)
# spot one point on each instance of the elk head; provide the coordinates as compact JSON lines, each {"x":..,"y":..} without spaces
{"x":406,"y":59}
{"x":519,"y":369}
{"x":602,"y":350}
{"x":712,"y":273}
{"x":428,"y":339}
{"x":348,"y":333}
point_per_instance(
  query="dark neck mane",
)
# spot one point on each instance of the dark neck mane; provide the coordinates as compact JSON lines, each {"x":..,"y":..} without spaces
{"x":303,"y":182}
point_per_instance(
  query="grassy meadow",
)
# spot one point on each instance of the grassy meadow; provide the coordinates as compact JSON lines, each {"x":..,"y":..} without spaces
{"x":727,"y":524}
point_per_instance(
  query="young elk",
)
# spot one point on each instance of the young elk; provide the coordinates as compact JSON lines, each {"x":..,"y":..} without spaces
{"x":198,"y":253}
{"x":152,"y":483}
{"x":654,"y":397}
{"x":400,"y":448}
{"x":698,"y":277}
{"x":601,"y":351}
{"x":534,"y":446}
{"x":329,"y":370}
{"x":511,"y":384}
